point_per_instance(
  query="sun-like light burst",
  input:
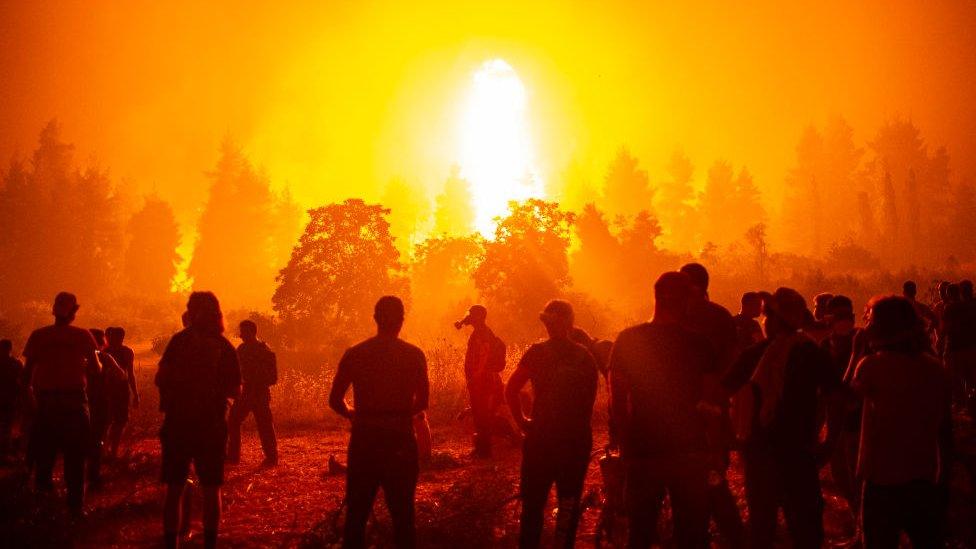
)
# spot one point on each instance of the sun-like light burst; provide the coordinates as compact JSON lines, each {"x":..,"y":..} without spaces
{"x":496,"y":153}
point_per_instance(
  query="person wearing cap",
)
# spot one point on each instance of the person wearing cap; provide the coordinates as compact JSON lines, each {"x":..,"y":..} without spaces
{"x":198,"y":373}
{"x":717,"y":324}
{"x":61,"y":360}
{"x":788,"y":374}
{"x":484,"y":360}
{"x":558,"y":436}
{"x":658,"y":373}
{"x":390,"y":388}
{"x":907,"y":430}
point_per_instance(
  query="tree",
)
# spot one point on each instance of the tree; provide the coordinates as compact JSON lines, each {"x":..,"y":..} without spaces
{"x":60,"y":227}
{"x":756,"y":238}
{"x":674,"y":204}
{"x":716,"y":203}
{"x":409,"y":210}
{"x":442,"y":272}
{"x":525,"y":265}
{"x":343,"y":262}
{"x":151,"y":258}
{"x":453,"y":213}
{"x":236,"y":254}
{"x":962,"y":224}
{"x":626,"y":188}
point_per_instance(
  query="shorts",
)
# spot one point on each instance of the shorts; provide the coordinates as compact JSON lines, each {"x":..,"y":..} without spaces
{"x":202,"y":443}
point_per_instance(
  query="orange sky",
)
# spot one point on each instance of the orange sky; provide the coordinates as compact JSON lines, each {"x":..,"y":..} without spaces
{"x":336,"y":98}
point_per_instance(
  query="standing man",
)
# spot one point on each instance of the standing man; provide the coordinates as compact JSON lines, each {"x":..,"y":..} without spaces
{"x":483,"y":362}
{"x":11,"y":371}
{"x":558,"y":437}
{"x":61,"y":359}
{"x":124,"y":391}
{"x":717,"y":325}
{"x":390,"y":387}
{"x":748,"y":332}
{"x":788,"y":374}
{"x":259,"y":371}
{"x":657,"y":382}
{"x":198,"y":372}
{"x":100,"y":400}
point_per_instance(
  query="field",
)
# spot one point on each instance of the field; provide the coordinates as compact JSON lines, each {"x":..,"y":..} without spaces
{"x":460,"y":502}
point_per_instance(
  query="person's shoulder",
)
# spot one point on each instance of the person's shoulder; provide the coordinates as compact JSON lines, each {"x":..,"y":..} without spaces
{"x":635,"y":331}
{"x":410,"y":348}
{"x":718,"y":311}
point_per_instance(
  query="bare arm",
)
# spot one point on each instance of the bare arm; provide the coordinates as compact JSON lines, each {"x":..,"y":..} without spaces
{"x":340,"y":384}
{"x":131,"y":372}
{"x":422,"y":392}
{"x":619,"y":397}
{"x":513,"y":390}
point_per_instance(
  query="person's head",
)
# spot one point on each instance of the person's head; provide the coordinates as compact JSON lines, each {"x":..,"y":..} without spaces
{"x":248,"y":330}
{"x":6,"y":348}
{"x":820,"y":305}
{"x":477,"y":316}
{"x":909,"y":289}
{"x":953,"y":294}
{"x":893,"y":325}
{"x":840,"y":315}
{"x":388,"y":314}
{"x":698,"y":278}
{"x":65,"y":308}
{"x":203,"y":313}
{"x":557,"y":316}
{"x":966,"y":290}
{"x":672,"y":293}
{"x":944,"y":290}
{"x":786,"y":311}
{"x":115,"y":335}
{"x":99,"y":337}
{"x":752,"y":304}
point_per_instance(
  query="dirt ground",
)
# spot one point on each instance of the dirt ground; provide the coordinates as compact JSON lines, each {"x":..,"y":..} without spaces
{"x":460,"y":502}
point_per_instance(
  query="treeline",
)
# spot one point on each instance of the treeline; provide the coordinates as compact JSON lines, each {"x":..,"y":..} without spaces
{"x":854,"y":220}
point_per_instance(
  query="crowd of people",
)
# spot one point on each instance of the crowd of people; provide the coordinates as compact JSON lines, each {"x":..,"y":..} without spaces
{"x":789,"y":389}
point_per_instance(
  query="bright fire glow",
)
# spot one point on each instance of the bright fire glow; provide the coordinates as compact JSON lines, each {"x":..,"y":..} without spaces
{"x":496,"y":150}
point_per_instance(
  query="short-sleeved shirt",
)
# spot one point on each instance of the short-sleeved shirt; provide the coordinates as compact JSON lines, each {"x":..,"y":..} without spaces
{"x":809,"y":374}
{"x":715,"y":322}
{"x":258,"y":364}
{"x":906,"y":402}
{"x":564,"y":379}
{"x":385,"y":374}
{"x":659,"y":371}
{"x":59,"y":354}
{"x":125,"y":358}
{"x":198,"y":372}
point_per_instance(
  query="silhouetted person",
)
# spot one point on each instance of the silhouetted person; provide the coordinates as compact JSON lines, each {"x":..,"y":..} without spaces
{"x":840,"y":346}
{"x":788,"y":373}
{"x":558,"y":437}
{"x":11,"y":374}
{"x":483,"y":362}
{"x":198,"y":373}
{"x":657,"y":381}
{"x":816,"y":324}
{"x":61,"y":359}
{"x":259,"y":371}
{"x":716,"y":324}
{"x":390,"y":387}
{"x":747,"y":328}
{"x":123,"y":392}
{"x":100,"y":400}
{"x":959,"y":324}
{"x":925,"y":314}
{"x":907,"y":424}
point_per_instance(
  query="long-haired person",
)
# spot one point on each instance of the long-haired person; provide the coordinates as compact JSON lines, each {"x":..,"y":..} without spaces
{"x":197,"y":374}
{"x":906,"y":429}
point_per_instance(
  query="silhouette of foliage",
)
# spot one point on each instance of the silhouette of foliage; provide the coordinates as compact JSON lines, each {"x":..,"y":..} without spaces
{"x":526,"y":264}
{"x":453,"y":214}
{"x":342,"y":263}
{"x":442,"y":272}
{"x":627,"y":188}
{"x":151,"y":258}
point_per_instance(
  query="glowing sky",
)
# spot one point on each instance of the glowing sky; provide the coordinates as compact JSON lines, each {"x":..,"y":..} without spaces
{"x":337,"y":98}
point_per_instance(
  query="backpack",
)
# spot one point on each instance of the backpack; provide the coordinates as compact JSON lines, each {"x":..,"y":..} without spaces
{"x":496,"y":354}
